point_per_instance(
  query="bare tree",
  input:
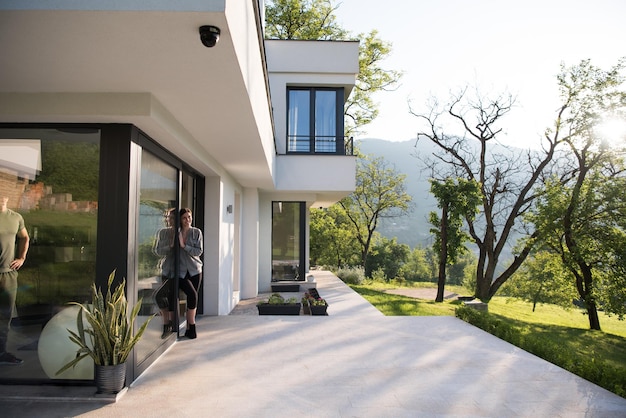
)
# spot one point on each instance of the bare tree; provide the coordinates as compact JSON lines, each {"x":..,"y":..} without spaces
{"x":465,"y":131}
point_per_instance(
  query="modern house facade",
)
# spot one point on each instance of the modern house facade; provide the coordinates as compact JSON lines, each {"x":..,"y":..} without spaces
{"x":113,"y":114}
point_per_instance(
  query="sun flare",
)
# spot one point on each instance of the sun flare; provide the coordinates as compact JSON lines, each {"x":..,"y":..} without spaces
{"x":613,"y":132}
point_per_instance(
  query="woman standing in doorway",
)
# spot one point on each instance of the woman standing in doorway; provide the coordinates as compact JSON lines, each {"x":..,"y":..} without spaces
{"x":164,"y":247}
{"x":190,"y":267}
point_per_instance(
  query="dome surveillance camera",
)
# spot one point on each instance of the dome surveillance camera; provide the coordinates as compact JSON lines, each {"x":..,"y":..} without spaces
{"x":209,"y":35}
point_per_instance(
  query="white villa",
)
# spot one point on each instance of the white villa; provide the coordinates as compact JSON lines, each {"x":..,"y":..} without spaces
{"x":114,"y":112}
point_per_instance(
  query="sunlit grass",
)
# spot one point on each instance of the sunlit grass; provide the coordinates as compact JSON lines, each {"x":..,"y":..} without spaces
{"x":567,"y":326}
{"x":547,"y":314}
{"x":397,"y":305}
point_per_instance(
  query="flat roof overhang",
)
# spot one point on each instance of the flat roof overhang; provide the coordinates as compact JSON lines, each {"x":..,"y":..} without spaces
{"x":209,"y":106}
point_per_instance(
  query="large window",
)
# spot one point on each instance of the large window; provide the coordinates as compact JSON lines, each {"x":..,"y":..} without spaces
{"x":288,"y":241}
{"x":50,"y":177}
{"x":315,"y":121}
{"x":78,"y":187}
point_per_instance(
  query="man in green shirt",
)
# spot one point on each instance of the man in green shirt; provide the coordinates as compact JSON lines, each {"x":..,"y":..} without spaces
{"x":11,"y":229}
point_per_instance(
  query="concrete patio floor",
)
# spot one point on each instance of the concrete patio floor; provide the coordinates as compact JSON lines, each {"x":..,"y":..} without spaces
{"x":355,"y":362}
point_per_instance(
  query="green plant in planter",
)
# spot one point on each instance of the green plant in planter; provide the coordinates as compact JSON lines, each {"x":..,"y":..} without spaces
{"x":278,"y":299}
{"x":109,"y":339}
{"x":317,"y":302}
{"x":277,"y":305}
{"x":317,"y":305}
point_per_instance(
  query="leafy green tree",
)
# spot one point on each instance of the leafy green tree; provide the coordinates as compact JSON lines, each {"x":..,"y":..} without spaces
{"x":302,"y":19}
{"x":542,"y":279}
{"x":380,"y":193}
{"x":419,"y":266}
{"x":457,"y":200}
{"x":457,"y":271}
{"x":469,"y":274}
{"x":331,"y":239}
{"x":322,"y":231}
{"x":360,"y":108}
{"x":387,"y":255}
{"x":510,"y":181}
{"x":315,"y":20}
{"x":582,"y":214}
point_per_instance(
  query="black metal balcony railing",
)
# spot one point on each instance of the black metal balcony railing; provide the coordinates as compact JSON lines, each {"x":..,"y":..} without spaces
{"x":299,"y":144}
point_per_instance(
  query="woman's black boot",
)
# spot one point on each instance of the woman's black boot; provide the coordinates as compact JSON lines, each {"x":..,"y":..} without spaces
{"x":191,"y":331}
{"x":167,"y":330}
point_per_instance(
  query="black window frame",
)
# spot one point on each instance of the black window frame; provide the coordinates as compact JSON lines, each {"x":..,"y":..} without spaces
{"x":340,"y":148}
{"x":302,"y":224}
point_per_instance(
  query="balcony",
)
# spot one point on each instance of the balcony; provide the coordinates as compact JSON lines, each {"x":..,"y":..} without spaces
{"x":304,"y":144}
{"x":320,"y":179}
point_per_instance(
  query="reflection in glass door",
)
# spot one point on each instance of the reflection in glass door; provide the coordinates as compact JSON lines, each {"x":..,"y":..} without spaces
{"x":157,"y":224}
{"x":50,"y":177}
{"x":287,"y":241}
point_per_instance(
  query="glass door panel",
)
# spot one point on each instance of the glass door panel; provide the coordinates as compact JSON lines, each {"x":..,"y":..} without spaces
{"x":299,"y":121}
{"x":287,"y":241}
{"x":326,"y":121}
{"x":157,"y":223}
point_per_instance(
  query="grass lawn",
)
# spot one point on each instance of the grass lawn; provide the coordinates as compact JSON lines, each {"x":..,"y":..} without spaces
{"x":568,"y":328}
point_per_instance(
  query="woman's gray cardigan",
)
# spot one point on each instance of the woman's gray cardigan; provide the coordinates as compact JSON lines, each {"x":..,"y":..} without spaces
{"x":189,"y":260}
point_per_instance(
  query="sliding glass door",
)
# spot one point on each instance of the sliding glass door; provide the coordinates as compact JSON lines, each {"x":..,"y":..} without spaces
{"x":288,"y":241}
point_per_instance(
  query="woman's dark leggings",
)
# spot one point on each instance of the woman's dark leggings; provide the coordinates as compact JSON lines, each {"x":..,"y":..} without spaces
{"x":190,"y":285}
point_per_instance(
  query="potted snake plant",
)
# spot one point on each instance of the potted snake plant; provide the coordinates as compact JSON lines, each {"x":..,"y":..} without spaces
{"x":108,"y":335}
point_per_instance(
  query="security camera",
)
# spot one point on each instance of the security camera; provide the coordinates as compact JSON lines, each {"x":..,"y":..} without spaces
{"x":209,"y":35}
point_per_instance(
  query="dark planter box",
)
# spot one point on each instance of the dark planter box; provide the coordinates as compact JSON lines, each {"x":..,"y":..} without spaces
{"x":285,"y":288}
{"x":318,"y":309}
{"x":284,"y":309}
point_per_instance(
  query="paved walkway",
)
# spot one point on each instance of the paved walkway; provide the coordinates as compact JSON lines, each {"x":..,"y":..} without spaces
{"x":353,"y":363}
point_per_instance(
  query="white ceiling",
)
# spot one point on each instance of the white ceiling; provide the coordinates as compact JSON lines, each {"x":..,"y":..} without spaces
{"x":202,"y":92}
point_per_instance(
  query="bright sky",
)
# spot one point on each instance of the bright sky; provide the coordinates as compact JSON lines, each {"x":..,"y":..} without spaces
{"x":499,"y":46}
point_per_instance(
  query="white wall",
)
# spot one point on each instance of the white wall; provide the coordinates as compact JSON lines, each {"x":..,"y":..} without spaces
{"x":307,"y":63}
{"x":265,"y":243}
{"x":250,"y":230}
{"x":212,"y":232}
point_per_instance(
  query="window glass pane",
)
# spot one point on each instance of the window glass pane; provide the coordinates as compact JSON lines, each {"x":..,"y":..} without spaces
{"x":325,"y":120}
{"x":299,"y":122}
{"x":156,"y":226}
{"x":285,"y":241}
{"x":50,"y":178}
{"x":188,"y":200}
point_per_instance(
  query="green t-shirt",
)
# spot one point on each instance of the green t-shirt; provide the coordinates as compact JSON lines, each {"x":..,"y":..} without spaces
{"x":10,"y":224}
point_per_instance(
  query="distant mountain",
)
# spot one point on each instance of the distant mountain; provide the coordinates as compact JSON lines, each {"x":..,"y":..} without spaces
{"x":413,"y":229}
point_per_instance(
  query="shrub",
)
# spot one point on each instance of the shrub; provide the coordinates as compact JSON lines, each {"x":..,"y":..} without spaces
{"x":379,"y":275}
{"x":352,"y":275}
